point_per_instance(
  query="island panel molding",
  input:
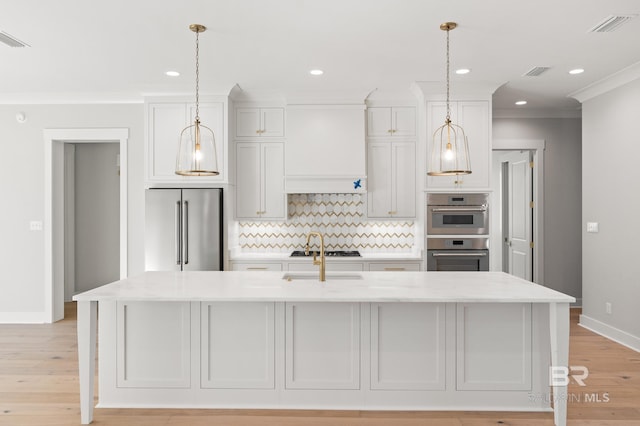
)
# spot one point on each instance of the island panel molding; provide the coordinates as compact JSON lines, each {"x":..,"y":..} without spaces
{"x":238,"y":345}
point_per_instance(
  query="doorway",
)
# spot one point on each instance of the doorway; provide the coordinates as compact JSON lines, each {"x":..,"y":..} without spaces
{"x":517,"y":213}
{"x":54,"y":226}
{"x":91,"y":224}
{"x":517,"y":243}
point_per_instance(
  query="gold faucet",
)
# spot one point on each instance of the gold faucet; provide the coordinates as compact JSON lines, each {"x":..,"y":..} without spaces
{"x":320,"y":262}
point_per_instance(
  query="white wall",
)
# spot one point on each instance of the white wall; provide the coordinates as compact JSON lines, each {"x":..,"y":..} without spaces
{"x":22,"y":188}
{"x":562,"y":194}
{"x":97,"y":215}
{"x":611,"y":197}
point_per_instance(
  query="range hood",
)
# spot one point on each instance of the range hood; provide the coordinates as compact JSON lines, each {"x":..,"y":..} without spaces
{"x":325,"y":149}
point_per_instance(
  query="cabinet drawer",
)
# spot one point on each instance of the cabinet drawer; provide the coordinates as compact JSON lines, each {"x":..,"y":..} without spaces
{"x":395,"y":266}
{"x":256,"y":266}
{"x":337,"y":266}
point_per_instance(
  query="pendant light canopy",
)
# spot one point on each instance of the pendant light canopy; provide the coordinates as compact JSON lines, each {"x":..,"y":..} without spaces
{"x":450,"y":148}
{"x":197,"y":154}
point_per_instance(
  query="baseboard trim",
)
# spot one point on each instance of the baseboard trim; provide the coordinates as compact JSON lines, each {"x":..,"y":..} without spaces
{"x":611,"y":333}
{"x":22,"y":318}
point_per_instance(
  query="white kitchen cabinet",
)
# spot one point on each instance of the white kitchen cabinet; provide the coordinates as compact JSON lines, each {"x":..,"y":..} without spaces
{"x":493,"y":353}
{"x":260,"y":180}
{"x":153,"y":345}
{"x":165,"y":121}
{"x":391,"y":171}
{"x":256,"y":266}
{"x":475,"y":118}
{"x":395,"y":266}
{"x":413,"y":359}
{"x":391,"y":121}
{"x":259,"y":122}
{"x":322,"y":345}
{"x":238,"y":345}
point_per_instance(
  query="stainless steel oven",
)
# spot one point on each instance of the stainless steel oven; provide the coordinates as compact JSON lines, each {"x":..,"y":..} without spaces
{"x":458,"y":254}
{"x":457,"y":214}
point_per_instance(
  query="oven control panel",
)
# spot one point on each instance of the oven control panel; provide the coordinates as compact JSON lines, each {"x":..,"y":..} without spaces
{"x":457,"y":243}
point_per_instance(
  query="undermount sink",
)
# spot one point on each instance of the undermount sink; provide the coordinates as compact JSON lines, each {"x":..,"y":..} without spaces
{"x":291,"y":276}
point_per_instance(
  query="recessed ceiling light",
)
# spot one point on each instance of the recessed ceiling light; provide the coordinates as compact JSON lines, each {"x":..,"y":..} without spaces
{"x":463,"y":71}
{"x":316,"y":72}
{"x":576,"y":71}
{"x":172,"y":73}
{"x":521,"y":102}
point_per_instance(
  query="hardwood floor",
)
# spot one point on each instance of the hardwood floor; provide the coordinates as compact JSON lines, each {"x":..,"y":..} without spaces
{"x":39,"y":386}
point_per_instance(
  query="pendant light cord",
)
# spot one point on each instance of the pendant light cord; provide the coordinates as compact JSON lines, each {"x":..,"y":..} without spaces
{"x":448,"y":108}
{"x":197,"y":76}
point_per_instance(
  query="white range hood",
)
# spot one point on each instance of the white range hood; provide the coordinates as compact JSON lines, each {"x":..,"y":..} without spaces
{"x":325,"y":149}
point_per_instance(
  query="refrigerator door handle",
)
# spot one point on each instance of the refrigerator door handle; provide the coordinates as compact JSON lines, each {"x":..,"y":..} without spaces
{"x":185,"y":232}
{"x":177,"y":233}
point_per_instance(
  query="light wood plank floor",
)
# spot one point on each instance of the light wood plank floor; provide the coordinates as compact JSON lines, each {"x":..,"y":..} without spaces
{"x":39,"y":386}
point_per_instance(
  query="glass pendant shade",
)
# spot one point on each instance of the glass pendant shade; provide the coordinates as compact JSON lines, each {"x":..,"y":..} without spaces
{"x":197,"y":154}
{"x":450,"y":151}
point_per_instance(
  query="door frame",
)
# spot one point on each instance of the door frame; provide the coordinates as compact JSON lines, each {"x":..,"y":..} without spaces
{"x":537,"y":147}
{"x":54,"y":262}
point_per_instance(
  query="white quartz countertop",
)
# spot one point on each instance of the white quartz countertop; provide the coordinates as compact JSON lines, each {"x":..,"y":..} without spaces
{"x":482,"y":287}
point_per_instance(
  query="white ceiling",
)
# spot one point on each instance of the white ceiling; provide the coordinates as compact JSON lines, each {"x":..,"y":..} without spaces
{"x":118,"y":50}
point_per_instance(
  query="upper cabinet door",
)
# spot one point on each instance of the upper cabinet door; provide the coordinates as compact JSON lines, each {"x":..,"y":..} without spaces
{"x":165,"y":121}
{"x":404,"y":121}
{"x":248,"y":180}
{"x":391,"y":121}
{"x":259,"y":122}
{"x":379,"y":122}
{"x":272,"y":120}
{"x":475,"y":118}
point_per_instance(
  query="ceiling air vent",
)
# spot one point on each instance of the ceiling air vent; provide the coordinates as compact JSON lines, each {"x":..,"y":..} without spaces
{"x":11,"y":41}
{"x":535,"y":71}
{"x":611,"y":23}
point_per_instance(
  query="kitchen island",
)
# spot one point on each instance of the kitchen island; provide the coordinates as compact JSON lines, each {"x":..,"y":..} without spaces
{"x":362,"y":341}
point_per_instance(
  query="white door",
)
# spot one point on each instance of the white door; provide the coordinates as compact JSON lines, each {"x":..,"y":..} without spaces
{"x":518,"y":212}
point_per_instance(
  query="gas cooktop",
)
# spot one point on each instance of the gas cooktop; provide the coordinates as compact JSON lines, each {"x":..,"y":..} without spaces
{"x":328,"y":253}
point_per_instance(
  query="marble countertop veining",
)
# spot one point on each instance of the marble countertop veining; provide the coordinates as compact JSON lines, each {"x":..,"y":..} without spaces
{"x":469,"y":287}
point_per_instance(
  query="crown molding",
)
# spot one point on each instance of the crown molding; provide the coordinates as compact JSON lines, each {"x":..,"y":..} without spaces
{"x":70,"y":98}
{"x":436,"y":90}
{"x":607,"y":84}
{"x":536,"y":113}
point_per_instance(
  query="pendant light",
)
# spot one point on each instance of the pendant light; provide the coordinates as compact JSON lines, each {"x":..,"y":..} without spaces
{"x":450,"y":149}
{"x":197,"y":155}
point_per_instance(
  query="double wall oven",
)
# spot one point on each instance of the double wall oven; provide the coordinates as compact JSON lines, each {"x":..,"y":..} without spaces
{"x":457,"y":232}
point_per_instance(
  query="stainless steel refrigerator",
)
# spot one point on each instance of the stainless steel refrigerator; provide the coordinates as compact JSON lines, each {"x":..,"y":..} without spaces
{"x":183,"y":230}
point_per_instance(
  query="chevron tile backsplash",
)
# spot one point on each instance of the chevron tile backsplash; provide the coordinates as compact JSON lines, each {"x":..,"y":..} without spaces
{"x":339,"y":217}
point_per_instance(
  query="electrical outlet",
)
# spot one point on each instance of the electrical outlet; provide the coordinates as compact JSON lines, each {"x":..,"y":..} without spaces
{"x":592,"y":227}
{"x":607,"y":308}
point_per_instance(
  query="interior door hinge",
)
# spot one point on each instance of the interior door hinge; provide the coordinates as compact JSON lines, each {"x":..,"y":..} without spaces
{"x":531,"y":164}
{"x":531,"y":244}
{"x":530,"y":204}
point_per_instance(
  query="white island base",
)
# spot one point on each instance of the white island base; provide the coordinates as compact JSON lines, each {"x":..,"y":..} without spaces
{"x":411,"y":341}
